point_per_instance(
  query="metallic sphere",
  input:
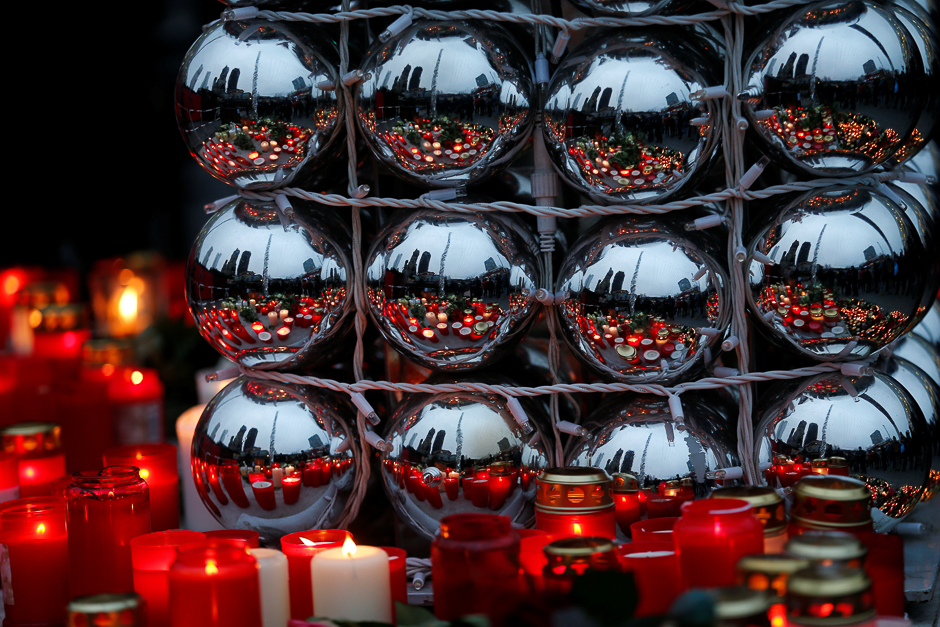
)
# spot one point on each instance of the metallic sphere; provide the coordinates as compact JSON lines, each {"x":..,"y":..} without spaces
{"x":250,"y":105}
{"x":929,"y":328}
{"x":921,"y":353}
{"x":631,"y":8}
{"x":274,"y":458}
{"x":268,"y":296}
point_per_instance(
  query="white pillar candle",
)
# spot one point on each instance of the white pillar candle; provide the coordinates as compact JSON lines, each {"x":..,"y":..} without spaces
{"x":272,"y":580}
{"x":352,"y":583}
{"x":195,"y":513}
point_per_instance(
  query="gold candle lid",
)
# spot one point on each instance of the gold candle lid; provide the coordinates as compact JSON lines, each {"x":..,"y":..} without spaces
{"x":107,"y":351}
{"x":124,"y":609}
{"x":626,"y":351}
{"x":768,"y":505}
{"x":831,"y":502}
{"x":772,"y":563}
{"x":501,"y":469}
{"x":624,"y":483}
{"x":573,"y":489}
{"x":819,"y":546}
{"x":811,"y":592}
{"x":738,"y":602}
{"x":480,"y":327}
{"x":31,"y":438}
{"x":579,"y":547}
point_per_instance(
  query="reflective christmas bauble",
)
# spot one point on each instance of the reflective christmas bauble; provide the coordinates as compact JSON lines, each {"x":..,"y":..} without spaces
{"x":869,"y":426}
{"x":929,"y":328}
{"x":631,"y":8}
{"x":846,"y":273}
{"x":920,"y":204}
{"x":836,"y":88}
{"x":620,"y":120}
{"x":637,"y":434}
{"x":462,"y":452}
{"x":452,"y":291}
{"x":446,"y":103}
{"x":268,"y":296}
{"x":274,"y":458}
{"x":921,"y":353}
{"x":250,"y":105}
{"x":643,"y":302}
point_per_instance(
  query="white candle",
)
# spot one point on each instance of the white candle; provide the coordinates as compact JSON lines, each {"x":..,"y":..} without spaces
{"x":195,"y":514}
{"x":352,"y":583}
{"x":272,"y":580}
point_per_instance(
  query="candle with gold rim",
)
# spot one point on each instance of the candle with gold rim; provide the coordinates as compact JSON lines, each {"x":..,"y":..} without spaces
{"x":352,"y":582}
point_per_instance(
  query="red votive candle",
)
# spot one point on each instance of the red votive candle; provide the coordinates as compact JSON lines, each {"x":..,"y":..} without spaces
{"x":38,"y":447}
{"x":575,"y":501}
{"x":663,"y":506}
{"x":157,"y":463}
{"x":152,"y":555}
{"x":532,"y":559}
{"x":711,"y":536}
{"x":655,"y":568}
{"x":398,"y":576}
{"x":136,"y":397}
{"x":653,"y":530}
{"x":215,"y":585}
{"x":247,"y":537}
{"x":300,"y":548}
{"x":290,"y":490}
{"x":105,"y":510}
{"x":625,"y":490}
{"x":36,"y":587}
{"x":885,"y":567}
{"x":9,"y":477}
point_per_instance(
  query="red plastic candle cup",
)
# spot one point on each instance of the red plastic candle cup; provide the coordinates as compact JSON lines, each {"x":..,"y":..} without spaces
{"x":885,"y":567}
{"x":290,"y":490}
{"x":500,"y":484}
{"x":157,"y":463}
{"x":105,"y":510}
{"x":655,"y":568}
{"x":247,"y":537}
{"x":475,"y":567}
{"x":264,"y":494}
{"x":33,"y":532}
{"x":300,"y":548}
{"x":215,"y":585}
{"x":653,"y":530}
{"x":38,"y":447}
{"x":398,"y":575}
{"x":136,"y":398}
{"x":575,"y":501}
{"x":569,"y":558}
{"x":663,"y":506}
{"x":152,"y":555}
{"x":9,"y":477}
{"x":527,"y":533}
{"x":711,"y":536}
{"x":625,"y":490}
{"x":532,"y":559}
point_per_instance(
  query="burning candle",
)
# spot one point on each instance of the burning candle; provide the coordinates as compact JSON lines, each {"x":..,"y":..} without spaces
{"x":105,"y":510}
{"x":569,"y":558}
{"x":136,"y":398}
{"x":9,"y":477}
{"x":575,"y":501}
{"x":625,"y":491}
{"x":830,"y":503}
{"x":38,"y":447}
{"x":532,"y":559}
{"x":215,"y":585}
{"x":653,"y":529}
{"x":352,"y":582}
{"x":157,"y":464}
{"x":810,"y":595}
{"x":273,"y":591}
{"x":655,"y":568}
{"x":152,"y":555}
{"x":300,"y":548}
{"x":36,"y":584}
{"x":398,"y":575}
{"x":769,"y":573}
{"x":769,"y":509}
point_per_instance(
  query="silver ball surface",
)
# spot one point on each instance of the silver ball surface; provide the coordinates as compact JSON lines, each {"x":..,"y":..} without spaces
{"x":441,"y":443}
{"x":921,"y":353}
{"x":249,"y":105}
{"x":847,"y":276}
{"x":266,"y":297}
{"x":929,"y":328}
{"x":638,"y":294}
{"x":446,"y":103}
{"x":250,"y":426}
{"x":631,"y":8}
{"x":619,"y":113}
{"x":452,"y":291}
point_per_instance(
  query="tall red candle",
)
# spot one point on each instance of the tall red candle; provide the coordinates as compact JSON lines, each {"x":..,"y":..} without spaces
{"x":33,"y":533}
{"x":157,"y":463}
{"x":398,"y":575}
{"x":300,"y":548}
{"x":532,"y":559}
{"x":152,"y":555}
{"x":38,"y":446}
{"x":655,"y":568}
{"x":136,"y":398}
{"x":625,"y":491}
{"x":575,"y":501}
{"x":215,"y":585}
{"x":105,"y":510}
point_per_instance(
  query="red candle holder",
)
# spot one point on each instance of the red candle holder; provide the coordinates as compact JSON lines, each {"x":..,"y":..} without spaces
{"x":575,"y":501}
{"x":215,"y":585}
{"x":830,"y":503}
{"x":136,"y":398}
{"x":653,"y":530}
{"x":300,"y":548}
{"x":532,"y":558}
{"x":152,"y":555}
{"x":830,"y":596}
{"x":157,"y":464}
{"x":769,"y":508}
{"x":398,"y":575}
{"x":475,"y":567}
{"x":885,"y":568}
{"x":711,"y":536}
{"x":569,"y":558}
{"x":769,"y":574}
{"x":9,"y":477}
{"x":247,"y":537}
{"x":655,"y":568}
{"x":38,"y":447}
{"x":33,"y":532}
{"x":105,"y":511}
{"x":625,"y":491}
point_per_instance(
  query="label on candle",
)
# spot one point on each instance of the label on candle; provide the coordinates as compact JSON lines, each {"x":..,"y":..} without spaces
{"x":6,"y":577}
{"x":138,"y":423}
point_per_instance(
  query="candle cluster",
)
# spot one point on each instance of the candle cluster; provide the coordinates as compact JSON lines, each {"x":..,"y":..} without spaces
{"x":424,"y":145}
{"x":625,"y":160}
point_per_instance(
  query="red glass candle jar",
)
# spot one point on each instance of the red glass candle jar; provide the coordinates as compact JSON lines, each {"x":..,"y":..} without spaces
{"x":769,"y":573}
{"x":398,"y":575}
{"x":575,"y":501}
{"x":769,"y":509}
{"x":105,"y":510}
{"x":246,"y":536}
{"x":532,"y":559}
{"x":570,"y":558}
{"x":136,"y":398}
{"x":653,"y":530}
{"x":711,"y":536}
{"x":625,"y":491}
{"x":33,"y":533}
{"x":215,"y":585}
{"x":152,"y":555}
{"x":655,"y":568}
{"x":126,"y":610}
{"x":300,"y":548}
{"x":9,"y":477}
{"x":157,"y":464}
{"x":830,"y":503}
{"x":828,"y":548}
{"x":38,"y":446}
{"x":475,"y":566}
{"x":830,"y":596}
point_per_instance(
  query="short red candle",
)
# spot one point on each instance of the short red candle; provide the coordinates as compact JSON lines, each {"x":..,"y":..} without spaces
{"x":136,"y":397}
{"x":655,"y":568}
{"x":105,"y":510}
{"x":532,"y":559}
{"x":299,"y":555}
{"x":264,"y":495}
{"x":711,"y":536}
{"x":626,"y":510}
{"x":290,"y":490}
{"x":33,"y":532}
{"x":246,"y":536}
{"x":662,"y":506}
{"x":653,"y":530}
{"x":9,"y":477}
{"x":601,"y":524}
{"x":215,"y":585}
{"x":398,"y":575}
{"x":157,"y":463}
{"x":152,"y":555}
{"x":38,"y":447}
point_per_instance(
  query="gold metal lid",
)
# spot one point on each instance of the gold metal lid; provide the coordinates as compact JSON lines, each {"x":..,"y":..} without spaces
{"x":828,"y":581}
{"x":738,"y":602}
{"x":573,"y":489}
{"x":624,"y":483}
{"x":838,"y":462}
{"x":772,"y":563}
{"x":109,"y":602}
{"x":626,"y":351}
{"x":832,"y":488}
{"x":768,"y":505}
{"x":579,"y":547}
{"x":31,"y":438}
{"x":573,"y":475}
{"x":480,"y":327}
{"x":107,"y":351}
{"x":501,"y":469}
{"x":826,"y":545}
{"x":831,"y":502}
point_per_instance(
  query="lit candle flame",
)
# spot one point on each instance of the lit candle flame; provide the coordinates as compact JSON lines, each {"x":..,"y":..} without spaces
{"x":211,"y":567}
{"x":127,"y":305}
{"x":577,"y":529}
{"x":144,"y":474}
{"x":41,"y":528}
{"x":349,"y":547}
{"x":136,"y":377}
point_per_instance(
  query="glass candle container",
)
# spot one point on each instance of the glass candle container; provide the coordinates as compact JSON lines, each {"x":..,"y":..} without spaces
{"x":9,"y":477}
{"x":152,"y":555}
{"x":625,"y":491}
{"x":828,"y":548}
{"x":711,"y":536}
{"x":575,"y":501}
{"x":125,"y":609}
{"x":830,"y":503}
{"x":398,"y":575}
{"x":569,"y":558}
{"x":38,"y":447}
{"x":655,"y":568}
{"x":157,"y":464}
{"x":769,"y":508}
{"x":251,"y":539}
{"x":215,"y":585}
{"x":533,"y":560}
{"x":300,"y":548}
{"x":653,"y":530}
{"x":824,"y":596}
{"x":738,"y":606}
{"x":105,"y":510}
{"x":475,"y":566}
{"x":769,"y":573}
{"x":136,"y":399}
{"x":885,"y":568}
{"x":34,"y":538}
